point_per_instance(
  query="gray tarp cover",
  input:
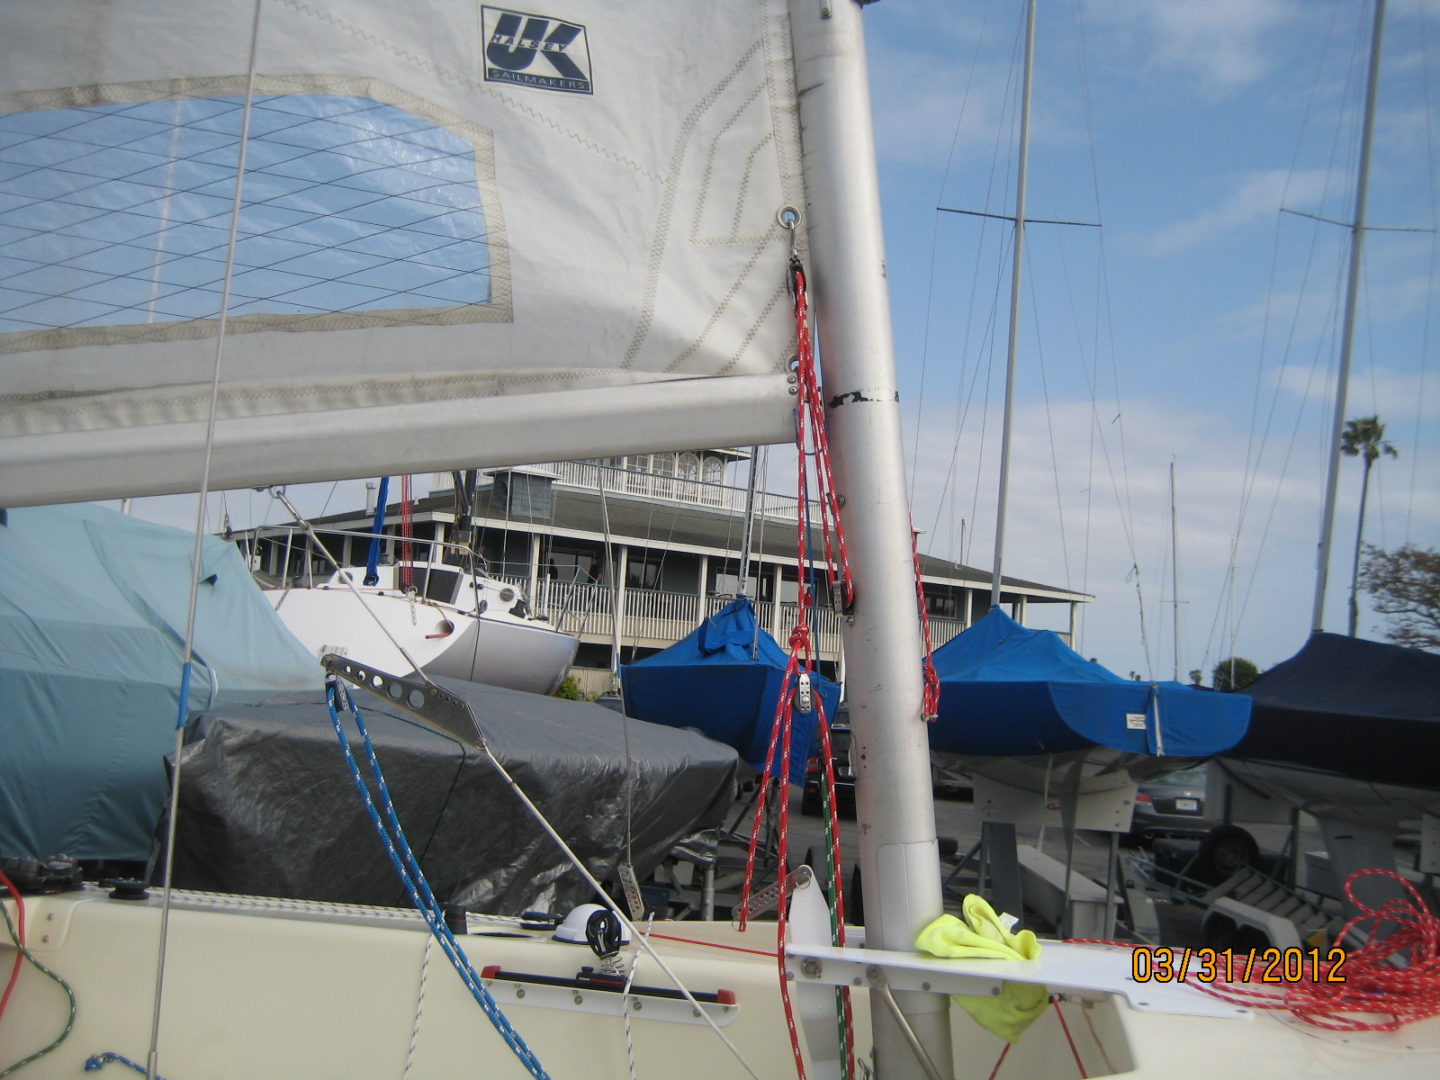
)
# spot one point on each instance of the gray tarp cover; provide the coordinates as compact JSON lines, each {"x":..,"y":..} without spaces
{"x":268,"y":805}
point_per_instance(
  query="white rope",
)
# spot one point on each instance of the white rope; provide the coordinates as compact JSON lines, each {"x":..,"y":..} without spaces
{"x":635,"y":934}
{"x":349,"y":584}
{"x":625,"y":1001}
{"x":419,"y":1006}
{"x":153,"y":1054}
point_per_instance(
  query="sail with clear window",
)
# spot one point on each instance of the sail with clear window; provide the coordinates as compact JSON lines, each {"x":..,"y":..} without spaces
{"x":465,"y":234}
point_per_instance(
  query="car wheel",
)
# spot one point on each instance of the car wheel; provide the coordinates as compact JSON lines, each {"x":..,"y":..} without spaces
{"x":1228,"y":849}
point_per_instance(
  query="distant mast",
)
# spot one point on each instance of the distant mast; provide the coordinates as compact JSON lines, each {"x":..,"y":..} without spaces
{"x":1347,"y":333}
{"x":1017,"y":270}
{"x":1174,"y":577}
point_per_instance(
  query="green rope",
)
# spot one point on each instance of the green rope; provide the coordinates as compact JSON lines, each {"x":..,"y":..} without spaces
{"x":829,"y":808}
{"x":70,"y":1021}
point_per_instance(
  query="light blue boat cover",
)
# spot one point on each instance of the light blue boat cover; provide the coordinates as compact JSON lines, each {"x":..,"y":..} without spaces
{"x":93,"y":607}
{"x":1009,"y":691}
{"x":710,"y":681}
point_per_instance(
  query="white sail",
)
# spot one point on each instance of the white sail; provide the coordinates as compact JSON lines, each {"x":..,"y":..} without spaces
{"x":468,"y":235}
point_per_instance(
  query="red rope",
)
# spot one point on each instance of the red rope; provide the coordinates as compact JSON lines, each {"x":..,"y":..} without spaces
{"x":1109,"y":1065}
{"x":1374,"y":985}
{"x":711,"y":944}
{"x":810,"y":418}
{"x":407,"y":570}
{"x":930,"y":696}
{"x":19,"y":938}
{"x":1395,"y":974}
{"x":810,"y":439}
{"x":1005,"y":1050}
{"x":1069,"y":1039}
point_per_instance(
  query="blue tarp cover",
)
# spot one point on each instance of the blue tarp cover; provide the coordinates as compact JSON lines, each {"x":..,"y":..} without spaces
{"x":93,"y":608}
{"x":710,"y":681}
{"x":1007,"y":690}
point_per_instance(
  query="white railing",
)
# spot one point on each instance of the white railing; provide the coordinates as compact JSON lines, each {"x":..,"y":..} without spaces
{"x":654,"y":619}
{"x":943,"y":630}
{"x":589,"y":475}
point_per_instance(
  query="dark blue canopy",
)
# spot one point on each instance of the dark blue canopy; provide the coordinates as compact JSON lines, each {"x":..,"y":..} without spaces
{"x":723,"y":680}
{"x":1363,"y":709}
{"x":1009,"y":691}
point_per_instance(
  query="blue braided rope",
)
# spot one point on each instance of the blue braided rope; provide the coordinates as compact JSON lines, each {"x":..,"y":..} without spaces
{"x":392,"y":835}
{"x":99,"y":1061}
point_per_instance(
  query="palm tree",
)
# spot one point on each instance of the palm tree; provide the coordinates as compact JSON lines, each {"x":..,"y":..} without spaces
{"x":1363,"y":438}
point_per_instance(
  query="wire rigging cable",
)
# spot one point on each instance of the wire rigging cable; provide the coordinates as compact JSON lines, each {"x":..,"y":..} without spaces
{"x":336,"y":690}
{"x":392,"y":836}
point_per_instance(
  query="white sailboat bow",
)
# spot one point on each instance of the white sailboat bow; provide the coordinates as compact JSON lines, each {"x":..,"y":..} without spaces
{"x":475,"y":235}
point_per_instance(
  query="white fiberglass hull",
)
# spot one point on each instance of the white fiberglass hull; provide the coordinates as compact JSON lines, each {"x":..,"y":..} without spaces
{"x":1341,"y":798}
{"x":1033,"y":790}
{"x":283,"y":989}
{"x":496,"y":649}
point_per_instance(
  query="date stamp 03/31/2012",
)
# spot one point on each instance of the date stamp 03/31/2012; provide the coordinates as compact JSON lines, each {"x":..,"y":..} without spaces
{"x":1271,"y":965}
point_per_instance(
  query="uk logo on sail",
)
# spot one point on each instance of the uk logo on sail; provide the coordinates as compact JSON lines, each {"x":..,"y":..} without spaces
{"x":535,"y":50}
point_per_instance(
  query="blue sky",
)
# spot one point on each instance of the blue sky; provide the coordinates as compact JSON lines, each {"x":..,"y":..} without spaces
{"x":1198,"y":325}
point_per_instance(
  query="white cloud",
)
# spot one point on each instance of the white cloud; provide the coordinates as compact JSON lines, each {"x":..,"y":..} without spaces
{"x":1252,"y":200}
{"x":1219,"y":46}
{"x":1399,"y":396}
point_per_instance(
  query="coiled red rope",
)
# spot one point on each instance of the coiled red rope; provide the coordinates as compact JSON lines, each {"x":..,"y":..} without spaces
{"x":1394,"y":974}
{"x":1390,"y":979}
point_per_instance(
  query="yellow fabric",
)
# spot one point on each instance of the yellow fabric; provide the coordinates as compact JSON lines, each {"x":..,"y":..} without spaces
{"x":982,"y":934}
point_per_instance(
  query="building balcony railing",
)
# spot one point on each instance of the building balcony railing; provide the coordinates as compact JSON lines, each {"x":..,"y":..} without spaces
{"x":650,"y":485}
{"x":652,"y":619}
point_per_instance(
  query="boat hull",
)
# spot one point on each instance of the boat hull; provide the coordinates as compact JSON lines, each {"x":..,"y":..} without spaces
{"x":286,"y":989}
{"x":1331,"y":796}
{"x":499,"y":650}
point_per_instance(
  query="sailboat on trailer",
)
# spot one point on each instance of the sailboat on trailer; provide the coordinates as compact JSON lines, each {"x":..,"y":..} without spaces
{"x":451,"y":217}
{"x":1019,"y":706}
{"x":1369,"y":709}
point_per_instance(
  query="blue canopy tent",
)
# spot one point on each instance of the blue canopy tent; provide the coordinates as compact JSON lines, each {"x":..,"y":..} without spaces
{"x":1010,"y":691}
{"x":723,"y":680}
{"x":93,"y":609}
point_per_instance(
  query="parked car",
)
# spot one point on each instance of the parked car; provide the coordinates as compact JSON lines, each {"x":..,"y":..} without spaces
{"x":1172,"y":805}
{"x":810,"y":799}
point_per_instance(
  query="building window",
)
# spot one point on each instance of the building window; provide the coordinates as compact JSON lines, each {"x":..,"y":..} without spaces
{"x":642,"y":571}
{"x":575,"y":565}
{"x":663,"y":466}
{"x":724,"y":583}
{"x":943,"y":605}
